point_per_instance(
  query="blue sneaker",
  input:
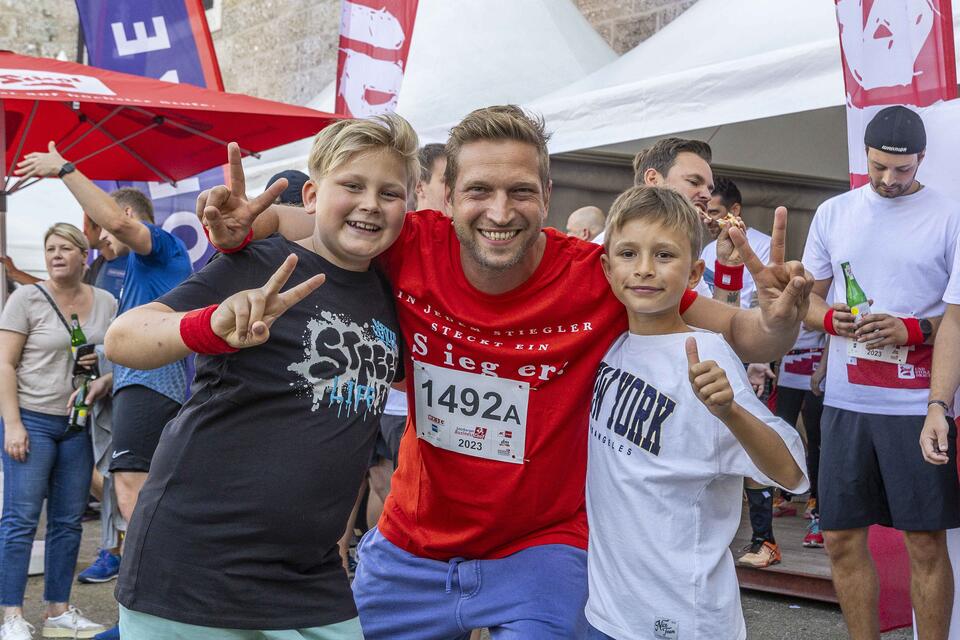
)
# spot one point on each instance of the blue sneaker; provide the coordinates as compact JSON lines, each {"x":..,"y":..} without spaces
{"x":104,"y":569}
{"x":109,"y":634}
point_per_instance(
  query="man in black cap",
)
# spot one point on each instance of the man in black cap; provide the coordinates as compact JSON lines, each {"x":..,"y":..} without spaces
{"x":893,"y":241}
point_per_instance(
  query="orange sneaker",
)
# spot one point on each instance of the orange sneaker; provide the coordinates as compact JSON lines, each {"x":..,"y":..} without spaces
{"x":783,"y":507}
{"x":760,"y":555}
{"x":811,"y":505}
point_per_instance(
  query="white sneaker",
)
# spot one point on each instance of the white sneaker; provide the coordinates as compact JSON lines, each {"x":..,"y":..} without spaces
{"x":16,"y":628}
{"x":70,"y":624}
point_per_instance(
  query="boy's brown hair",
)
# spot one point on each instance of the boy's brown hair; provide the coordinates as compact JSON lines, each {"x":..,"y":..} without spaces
{"x":503,"y":122}
{"x":655,"y":204}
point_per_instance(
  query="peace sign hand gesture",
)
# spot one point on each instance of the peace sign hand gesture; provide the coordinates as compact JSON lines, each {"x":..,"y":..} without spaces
{"x":244,"y":319}
{"x":783,"y":288}
{"x":226,"y":213}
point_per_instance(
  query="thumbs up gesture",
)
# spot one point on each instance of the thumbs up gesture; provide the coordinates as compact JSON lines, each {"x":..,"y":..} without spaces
{"x":709,"y":382}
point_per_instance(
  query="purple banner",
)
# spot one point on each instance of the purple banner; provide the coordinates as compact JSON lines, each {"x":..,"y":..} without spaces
{"x":166,"y":40}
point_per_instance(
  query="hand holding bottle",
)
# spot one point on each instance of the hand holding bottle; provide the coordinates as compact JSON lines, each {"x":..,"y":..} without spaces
{"x":244,"y":319}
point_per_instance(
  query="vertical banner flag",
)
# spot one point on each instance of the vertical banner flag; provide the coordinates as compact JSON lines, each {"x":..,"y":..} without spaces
{"x":374,"y":43}
{"x":167,"y":40}
{"x":894,"y":52}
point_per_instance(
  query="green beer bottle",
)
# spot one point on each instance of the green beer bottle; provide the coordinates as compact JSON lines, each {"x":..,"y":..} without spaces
{"x":79,"y":411}
{"x":856,"y":298}
{"x":76,"y":334}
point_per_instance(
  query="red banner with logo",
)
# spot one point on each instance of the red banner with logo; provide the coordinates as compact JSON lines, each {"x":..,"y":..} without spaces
{"x":374,"y":43}
{"x":894,"y":52}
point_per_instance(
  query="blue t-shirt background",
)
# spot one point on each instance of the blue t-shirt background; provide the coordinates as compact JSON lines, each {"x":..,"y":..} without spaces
{"x":111,"y":276}
{"x":147,"y":278}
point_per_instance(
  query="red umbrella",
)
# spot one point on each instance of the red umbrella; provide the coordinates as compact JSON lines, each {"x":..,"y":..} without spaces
{"x":115,"y":126}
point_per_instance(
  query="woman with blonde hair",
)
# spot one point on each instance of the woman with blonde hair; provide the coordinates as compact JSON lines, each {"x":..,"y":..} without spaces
{"x":41,"y":458}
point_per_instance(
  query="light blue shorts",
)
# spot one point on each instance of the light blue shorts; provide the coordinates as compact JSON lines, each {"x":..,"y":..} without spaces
{"x":535,"y":594}
{"x":143,"y":626}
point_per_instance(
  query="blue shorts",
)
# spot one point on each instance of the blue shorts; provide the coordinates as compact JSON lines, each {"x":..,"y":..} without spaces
{"x":535,"y":594}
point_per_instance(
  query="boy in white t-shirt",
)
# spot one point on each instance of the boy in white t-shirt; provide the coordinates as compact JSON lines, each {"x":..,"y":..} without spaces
{"x":671,"y":439}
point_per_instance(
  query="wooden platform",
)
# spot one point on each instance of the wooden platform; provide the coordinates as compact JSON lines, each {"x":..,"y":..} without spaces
{"x":802,"y":572}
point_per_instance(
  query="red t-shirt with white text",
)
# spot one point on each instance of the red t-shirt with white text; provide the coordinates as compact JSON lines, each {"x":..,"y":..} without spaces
{"x":543,"y":340}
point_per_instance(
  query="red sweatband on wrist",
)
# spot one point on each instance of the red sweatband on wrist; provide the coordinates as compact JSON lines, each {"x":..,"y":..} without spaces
{"x":689,"y":297}
{"x":828,"y":323}
{"x":198,"y":335}
{"x":914,"y":334}
{"x":727,"y":278}
{"x":240,"y":246}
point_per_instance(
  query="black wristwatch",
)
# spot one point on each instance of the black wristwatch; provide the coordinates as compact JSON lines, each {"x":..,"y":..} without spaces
{"x":65,"y":169}
{"x":926,"y":328}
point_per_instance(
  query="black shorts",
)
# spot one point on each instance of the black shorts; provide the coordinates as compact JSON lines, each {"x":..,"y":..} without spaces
{"x":388,"y":439}
{"x":139,"y":416}
{"x":872,"y":472}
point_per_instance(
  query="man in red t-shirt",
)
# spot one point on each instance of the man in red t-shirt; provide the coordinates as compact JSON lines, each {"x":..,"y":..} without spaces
{"x":505,"y":323}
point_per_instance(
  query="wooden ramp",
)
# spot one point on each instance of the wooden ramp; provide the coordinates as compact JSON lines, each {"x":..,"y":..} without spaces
{"x":802,"y":572}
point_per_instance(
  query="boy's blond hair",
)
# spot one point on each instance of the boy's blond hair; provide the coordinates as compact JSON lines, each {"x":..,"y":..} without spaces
{"x":655,"y":204}
{"x":68,"y":232}
{"x":337,"y":143}
{"x":503,"y":122}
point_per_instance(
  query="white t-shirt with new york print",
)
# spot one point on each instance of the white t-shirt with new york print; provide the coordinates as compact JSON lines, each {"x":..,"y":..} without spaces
{"x":664,"y":492}
{"x":901,"y":251}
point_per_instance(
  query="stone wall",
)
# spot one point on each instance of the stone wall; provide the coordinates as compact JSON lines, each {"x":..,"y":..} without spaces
{"x":287,"y":49}
{"x":626,"y":23}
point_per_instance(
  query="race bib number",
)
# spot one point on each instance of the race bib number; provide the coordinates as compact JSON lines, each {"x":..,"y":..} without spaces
{"x":471,"y":414}
{"x":890,"y":353}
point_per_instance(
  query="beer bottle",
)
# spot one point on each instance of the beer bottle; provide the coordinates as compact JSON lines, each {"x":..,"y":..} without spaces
{"x":76,"y":334}
{"x":856,"y":298}
{"x":79,"y":411}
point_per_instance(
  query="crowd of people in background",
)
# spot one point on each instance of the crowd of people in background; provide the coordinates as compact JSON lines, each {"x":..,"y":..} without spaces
{"x":410,"y":397}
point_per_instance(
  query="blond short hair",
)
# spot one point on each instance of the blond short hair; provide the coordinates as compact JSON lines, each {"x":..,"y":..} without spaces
{"x":68,"y":232}
{"x":337,"y":143}
{"x":655,"y":204}
{"x":503,"y":122}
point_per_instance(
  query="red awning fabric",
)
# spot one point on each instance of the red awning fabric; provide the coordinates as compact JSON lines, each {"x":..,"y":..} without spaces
{"x":122,"y":127}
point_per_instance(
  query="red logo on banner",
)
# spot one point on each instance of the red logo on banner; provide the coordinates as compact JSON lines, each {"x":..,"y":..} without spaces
{"x":374,"y":43}
{"x":894,"y":51}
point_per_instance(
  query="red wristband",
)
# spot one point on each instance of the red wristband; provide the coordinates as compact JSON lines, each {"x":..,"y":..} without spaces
{"x":727,"y":278}
{"x":240,"y":246}
{"x":828,"y":323}
{"x":198,"y":335}
{"x":914,"y":334}
{"x":689,"y":297}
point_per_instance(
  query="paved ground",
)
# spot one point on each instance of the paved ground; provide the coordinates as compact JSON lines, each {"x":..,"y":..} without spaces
{"x":768,"y":617}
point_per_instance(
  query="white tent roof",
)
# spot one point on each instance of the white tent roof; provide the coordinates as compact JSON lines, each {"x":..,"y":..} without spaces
{"x":760,"y":79}
{"x":470,"y":54}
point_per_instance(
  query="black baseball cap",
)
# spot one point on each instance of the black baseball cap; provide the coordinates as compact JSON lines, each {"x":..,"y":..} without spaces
{"x":896,"y":130}
{"x":293,"y":194}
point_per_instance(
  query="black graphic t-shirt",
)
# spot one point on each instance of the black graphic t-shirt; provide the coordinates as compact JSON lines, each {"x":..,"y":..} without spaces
{"x":252,"y":483}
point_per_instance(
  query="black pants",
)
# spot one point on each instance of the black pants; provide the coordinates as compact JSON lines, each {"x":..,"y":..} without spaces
{"x":792,"y":403}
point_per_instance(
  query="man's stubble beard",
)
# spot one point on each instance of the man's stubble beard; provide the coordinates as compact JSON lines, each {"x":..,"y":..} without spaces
{"x":468,"y":243}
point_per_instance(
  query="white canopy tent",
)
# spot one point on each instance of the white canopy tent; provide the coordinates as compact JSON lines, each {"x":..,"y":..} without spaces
{"x":473,"y":53}
{"x":761,"y":80}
